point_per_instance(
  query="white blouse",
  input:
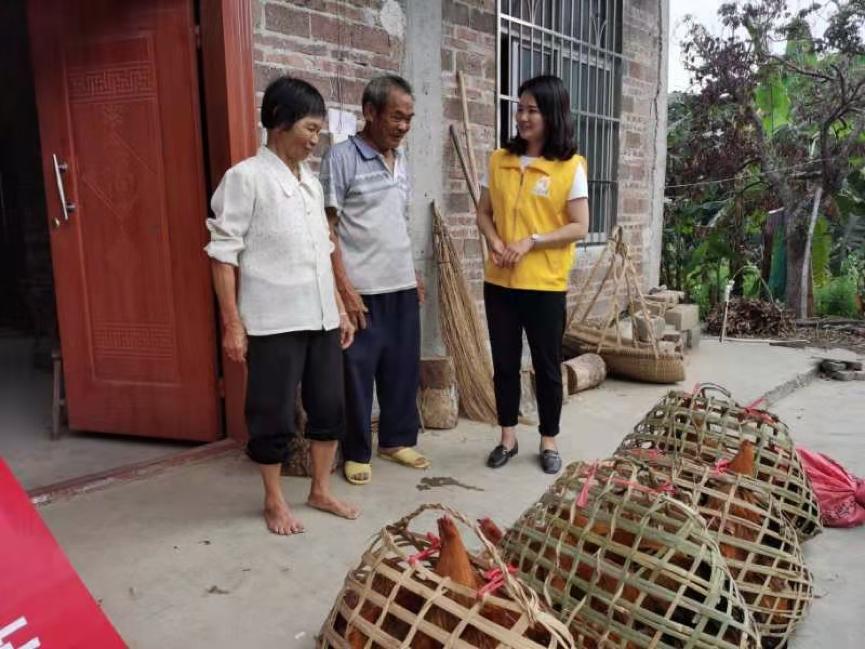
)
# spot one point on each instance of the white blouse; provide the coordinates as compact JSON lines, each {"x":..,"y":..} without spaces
{"x":274,"y":229}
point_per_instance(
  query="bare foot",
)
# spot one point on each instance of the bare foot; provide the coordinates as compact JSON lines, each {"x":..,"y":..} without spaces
{"x":333,"y":506}
{"x":280,"y":519}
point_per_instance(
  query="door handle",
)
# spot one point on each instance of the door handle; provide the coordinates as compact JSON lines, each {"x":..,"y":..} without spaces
{"x":66,"y":207}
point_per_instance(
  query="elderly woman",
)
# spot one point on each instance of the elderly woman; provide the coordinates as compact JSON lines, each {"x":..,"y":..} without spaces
{"x":270,"y":233}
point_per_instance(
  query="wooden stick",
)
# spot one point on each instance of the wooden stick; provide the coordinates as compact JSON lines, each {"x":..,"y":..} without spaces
{"x":466,"y":171}
{"x":472,"y":188}
{"x":473,"y":165}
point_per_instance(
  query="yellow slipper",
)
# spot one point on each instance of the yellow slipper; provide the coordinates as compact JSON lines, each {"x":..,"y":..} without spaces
{"x":407,"y":457}
{"x":357,"y":472}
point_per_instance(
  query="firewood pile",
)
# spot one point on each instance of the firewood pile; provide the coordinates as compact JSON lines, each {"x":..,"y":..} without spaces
{"x":689,"y":536}
{"x":752,"y":317}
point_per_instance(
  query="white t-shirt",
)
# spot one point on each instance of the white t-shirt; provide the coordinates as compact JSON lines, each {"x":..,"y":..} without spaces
{"x":579,"y":188}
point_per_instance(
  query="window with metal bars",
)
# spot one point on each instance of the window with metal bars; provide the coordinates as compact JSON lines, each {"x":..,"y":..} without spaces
{"x":579,"y":41}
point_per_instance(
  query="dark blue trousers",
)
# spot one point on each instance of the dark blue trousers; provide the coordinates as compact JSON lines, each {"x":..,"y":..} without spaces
{"x":386,"y":355}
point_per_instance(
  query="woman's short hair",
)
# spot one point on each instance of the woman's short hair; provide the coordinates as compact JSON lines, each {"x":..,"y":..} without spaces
{"x":377,"y":91}
{"x":555,"y":107}
{"x":288,"y":100}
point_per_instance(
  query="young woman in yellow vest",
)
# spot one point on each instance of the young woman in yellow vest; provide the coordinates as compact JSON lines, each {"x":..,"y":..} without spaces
{"x":533,"y":208}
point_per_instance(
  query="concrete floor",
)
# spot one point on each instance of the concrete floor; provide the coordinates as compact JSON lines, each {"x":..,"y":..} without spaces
{"x":25,"y":424}
{"x":829,"y":417}
{"x":182,"y":559}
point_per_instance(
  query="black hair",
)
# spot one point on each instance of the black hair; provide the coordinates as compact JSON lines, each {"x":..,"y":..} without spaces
{"x":555,"y":106}
{"x":288,"y":100}
{"x":377,"y":91}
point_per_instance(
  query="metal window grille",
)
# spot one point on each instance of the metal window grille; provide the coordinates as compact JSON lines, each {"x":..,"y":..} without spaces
{"x":580,"y":41}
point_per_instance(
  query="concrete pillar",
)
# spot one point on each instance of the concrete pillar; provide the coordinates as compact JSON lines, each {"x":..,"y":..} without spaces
{"x":423,"y":69}
{"x":652,"y":268}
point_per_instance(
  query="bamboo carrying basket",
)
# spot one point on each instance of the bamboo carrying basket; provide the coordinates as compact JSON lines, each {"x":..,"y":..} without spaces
{"x":648,"y":361}
{"x":614,"y":554}
{"x":708,"y":428}
{"x":393,"y":599}
{"x":761,"y":549}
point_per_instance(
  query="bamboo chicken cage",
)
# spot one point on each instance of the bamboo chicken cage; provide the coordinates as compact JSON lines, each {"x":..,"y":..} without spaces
{"x":761,"y":549}
{"x":614,"y":553}
{"x":708,"y":426}
{"x":398,"y":596}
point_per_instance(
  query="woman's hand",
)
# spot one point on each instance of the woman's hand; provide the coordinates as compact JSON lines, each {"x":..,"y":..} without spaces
{"x":497,"y":250}
{"x":346,"y":331}
{"x":234,"y":341}
{"x":514,"y":252}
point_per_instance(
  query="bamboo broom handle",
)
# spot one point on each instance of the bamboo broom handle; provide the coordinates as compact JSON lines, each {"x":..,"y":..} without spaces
{"x":473,"y":165}
{"x":472,"y":188}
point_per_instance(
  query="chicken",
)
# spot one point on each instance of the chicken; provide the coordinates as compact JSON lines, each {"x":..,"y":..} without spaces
{"x":743,"y":462}
{"x":391,"y":624}
{"x":490,"y":530}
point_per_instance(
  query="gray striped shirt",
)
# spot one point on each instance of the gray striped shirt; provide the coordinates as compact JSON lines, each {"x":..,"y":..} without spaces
{"x":373,"y":208}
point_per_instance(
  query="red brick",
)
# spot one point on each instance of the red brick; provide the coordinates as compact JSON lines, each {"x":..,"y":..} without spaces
{"x":371,"y":38}
{"x":286,"y":21}
{"x":291,"y":44}
{"x":469,"y":63}
{"x":457,"y":202}
{"x":478,"y":113}
{"x":447,"y":61}
{"x":455,"y":12}
{"x":483,"y":21}
{"x":264,"y":74}
{"x":328,"y":29}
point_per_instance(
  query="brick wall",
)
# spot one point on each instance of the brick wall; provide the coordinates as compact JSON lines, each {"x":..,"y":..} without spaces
{"x":337,"y":45}
{"x":468,"y":45}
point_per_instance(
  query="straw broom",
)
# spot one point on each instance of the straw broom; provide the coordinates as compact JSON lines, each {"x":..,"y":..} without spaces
{"x":462,"y":331}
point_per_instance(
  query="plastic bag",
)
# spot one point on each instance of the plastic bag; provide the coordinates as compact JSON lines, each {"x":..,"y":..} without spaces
{"x":841,"y":496}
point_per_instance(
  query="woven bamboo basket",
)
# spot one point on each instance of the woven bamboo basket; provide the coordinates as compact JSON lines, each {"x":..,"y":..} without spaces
{"x":629,"y":359}
{"x":611,"y":550}
{"x":649,"y":362}
{"x":708,"y":425}
{"x":761,"y":549}
{"x":395,"y":599}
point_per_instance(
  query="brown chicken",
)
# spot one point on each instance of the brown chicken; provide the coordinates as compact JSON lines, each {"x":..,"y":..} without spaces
{"x":744,"y":463}
{"x":490,"y":530}
{"x":392,"y":625}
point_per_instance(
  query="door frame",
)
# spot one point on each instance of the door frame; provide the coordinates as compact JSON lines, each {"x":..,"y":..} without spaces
{"x":229,"y":106}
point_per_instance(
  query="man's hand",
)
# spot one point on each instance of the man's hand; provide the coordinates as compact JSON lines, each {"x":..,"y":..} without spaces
{"x":514,"y":252}
{"x":354,"y":307}
{"x":497,"y":251}
{"x":421,"y":288}
{"x":234,"y":342}
{"x":346,"y":331}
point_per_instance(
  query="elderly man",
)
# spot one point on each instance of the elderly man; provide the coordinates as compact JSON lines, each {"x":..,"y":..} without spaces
{"x":366,"y":194}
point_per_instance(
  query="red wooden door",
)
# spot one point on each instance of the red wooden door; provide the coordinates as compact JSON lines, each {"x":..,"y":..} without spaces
{"x":117,"y":94}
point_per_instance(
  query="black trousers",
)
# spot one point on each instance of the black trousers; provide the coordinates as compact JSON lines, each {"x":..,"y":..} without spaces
{"x":541,"y":314}
{"x":385,"y":355}
{"x":276,"y":364}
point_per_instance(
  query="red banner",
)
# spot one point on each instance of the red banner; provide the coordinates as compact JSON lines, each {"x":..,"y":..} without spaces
{"x":43,"y":602}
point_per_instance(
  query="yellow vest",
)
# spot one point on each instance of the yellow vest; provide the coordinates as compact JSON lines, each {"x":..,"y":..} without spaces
{"x":530,"y":202}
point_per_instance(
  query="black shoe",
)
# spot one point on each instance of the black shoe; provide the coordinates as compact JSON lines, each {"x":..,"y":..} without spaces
{"x":500,"y":455}
{"x":551,"y":461}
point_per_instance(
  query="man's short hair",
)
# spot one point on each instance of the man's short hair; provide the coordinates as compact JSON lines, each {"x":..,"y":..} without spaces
{"x":378,"y":90}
